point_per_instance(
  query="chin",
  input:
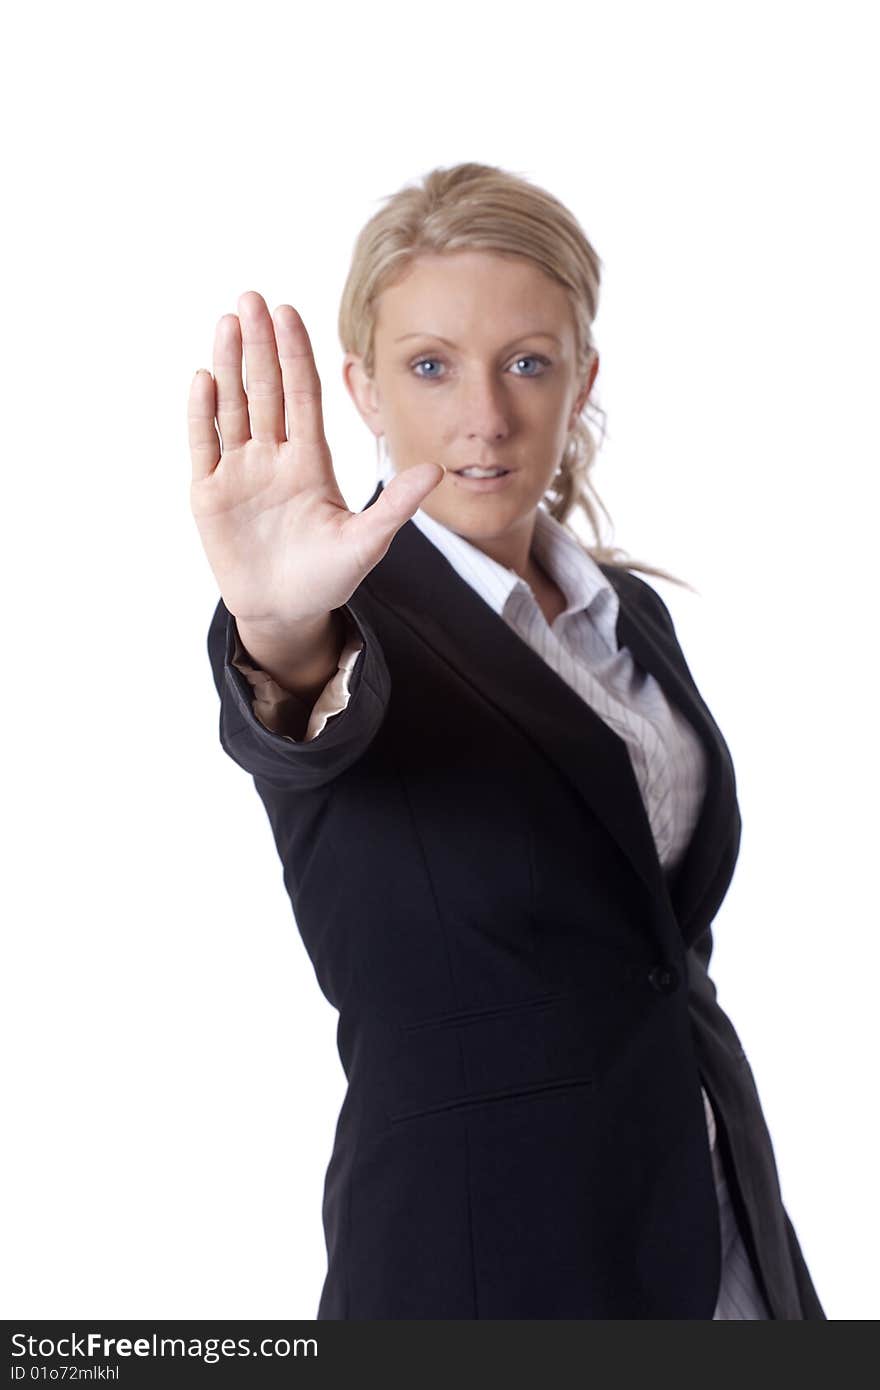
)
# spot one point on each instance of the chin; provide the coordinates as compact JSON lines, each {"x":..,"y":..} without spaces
{"x":484,"y":523}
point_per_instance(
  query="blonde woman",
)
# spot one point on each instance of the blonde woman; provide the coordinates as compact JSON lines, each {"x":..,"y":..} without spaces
{"x":505,"y":815}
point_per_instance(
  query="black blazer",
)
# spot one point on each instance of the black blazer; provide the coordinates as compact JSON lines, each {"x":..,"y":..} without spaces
{"x":525,"y":1013}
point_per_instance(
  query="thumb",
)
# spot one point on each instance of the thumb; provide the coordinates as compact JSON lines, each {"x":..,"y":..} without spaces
{"x":406,"y":491}
{"x":398,"y":501}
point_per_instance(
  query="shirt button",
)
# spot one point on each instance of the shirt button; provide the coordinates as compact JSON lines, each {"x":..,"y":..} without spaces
{"x":663,"y":978}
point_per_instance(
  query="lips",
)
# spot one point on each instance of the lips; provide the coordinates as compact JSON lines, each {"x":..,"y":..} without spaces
{"x":490,"y":484}
{"x":474,"y":464}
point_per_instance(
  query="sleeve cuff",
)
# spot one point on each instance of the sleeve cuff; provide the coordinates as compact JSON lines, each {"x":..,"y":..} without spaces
{"x":272,"y":704}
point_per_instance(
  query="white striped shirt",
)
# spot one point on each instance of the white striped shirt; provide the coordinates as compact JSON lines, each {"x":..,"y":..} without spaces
{"x":667,"y":756}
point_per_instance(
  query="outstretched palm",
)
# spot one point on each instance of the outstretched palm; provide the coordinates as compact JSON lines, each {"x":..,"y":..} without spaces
{"x":278,"y":535}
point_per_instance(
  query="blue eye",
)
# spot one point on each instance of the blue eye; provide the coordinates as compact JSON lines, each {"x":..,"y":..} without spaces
{"x":421,"y":363}
{"x":532,"y":357}
{"x":524,"y":357}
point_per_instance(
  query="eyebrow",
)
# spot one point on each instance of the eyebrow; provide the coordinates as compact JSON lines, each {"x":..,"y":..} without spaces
{"x":539,"y":333}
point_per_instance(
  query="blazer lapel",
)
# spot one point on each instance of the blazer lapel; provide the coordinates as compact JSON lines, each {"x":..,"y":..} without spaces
{"x":417,"y":580}
{"x":718,"y":824}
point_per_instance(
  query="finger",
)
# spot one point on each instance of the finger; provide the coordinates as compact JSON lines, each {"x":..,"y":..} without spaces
{"x":302,"y":385}
{"x":204,"y":444}
{"x":374,"y":528}
{"x":265,"y":393}
{"x":232,"y":405}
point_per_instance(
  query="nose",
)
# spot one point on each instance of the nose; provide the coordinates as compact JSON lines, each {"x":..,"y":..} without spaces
{"x":483,"y":408}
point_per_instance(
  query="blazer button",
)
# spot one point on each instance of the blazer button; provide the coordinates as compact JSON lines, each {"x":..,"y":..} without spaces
{"x":663,"y":978}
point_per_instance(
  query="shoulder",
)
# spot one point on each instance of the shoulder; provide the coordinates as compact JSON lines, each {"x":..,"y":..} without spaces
{"x":633,"y":589}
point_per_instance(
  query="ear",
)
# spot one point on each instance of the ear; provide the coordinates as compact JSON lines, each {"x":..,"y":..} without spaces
{"x":363,"y":392}
{"x":584,"y":394}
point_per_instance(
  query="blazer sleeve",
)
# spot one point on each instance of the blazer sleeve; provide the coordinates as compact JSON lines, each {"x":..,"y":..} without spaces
{"x":276,"y":758}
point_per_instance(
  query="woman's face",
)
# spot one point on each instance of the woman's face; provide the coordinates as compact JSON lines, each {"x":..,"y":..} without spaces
{"x":475,"y":364}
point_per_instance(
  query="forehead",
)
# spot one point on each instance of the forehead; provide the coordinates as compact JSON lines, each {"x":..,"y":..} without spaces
{"x":473,"y":291}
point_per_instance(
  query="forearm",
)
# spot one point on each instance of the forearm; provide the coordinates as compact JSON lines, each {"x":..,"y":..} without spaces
{"x":303,"y":659}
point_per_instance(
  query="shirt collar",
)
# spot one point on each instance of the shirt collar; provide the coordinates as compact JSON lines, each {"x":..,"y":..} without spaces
{"x":558,"y":552}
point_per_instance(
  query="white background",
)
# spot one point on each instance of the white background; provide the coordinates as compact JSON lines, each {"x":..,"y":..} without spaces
{"x":171,"y":1076}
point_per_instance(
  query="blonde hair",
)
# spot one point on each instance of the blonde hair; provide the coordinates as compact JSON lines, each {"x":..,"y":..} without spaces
{"x":481,"y":207}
